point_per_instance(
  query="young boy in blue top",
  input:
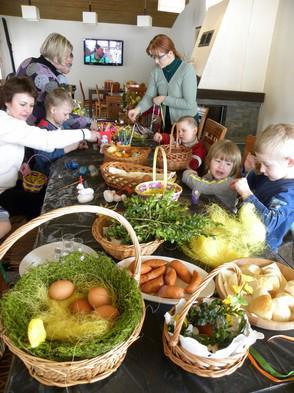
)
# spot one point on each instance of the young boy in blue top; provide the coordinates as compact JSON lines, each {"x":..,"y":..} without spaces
{"x":58,"y":105}
{"x":272,"y":191}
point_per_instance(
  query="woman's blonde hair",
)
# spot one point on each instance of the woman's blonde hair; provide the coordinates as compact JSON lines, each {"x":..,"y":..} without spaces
{"x":225,"y":150}
{"x":56,"y":47}
{"x":57,"y":97}
{"x":277,"y":139}
{"x":161,"y":43}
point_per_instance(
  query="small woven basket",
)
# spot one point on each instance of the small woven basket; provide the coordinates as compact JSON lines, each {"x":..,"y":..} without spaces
{"x":136,"y":155}
{"x":119,"y":251}
{"x":64,"y":374}
{"x":178,"y":156}
{"x":159,"y":187}
{"x":34,"y":181}
{"x":122,"y":182}
{"x":202,"y":366}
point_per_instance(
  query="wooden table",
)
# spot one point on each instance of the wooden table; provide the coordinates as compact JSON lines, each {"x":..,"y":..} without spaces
{"x":145,"y":368}
{"x":92,"y":93}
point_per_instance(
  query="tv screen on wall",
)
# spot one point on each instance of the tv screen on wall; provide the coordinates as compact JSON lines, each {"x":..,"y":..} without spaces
{"x":103,"y":52}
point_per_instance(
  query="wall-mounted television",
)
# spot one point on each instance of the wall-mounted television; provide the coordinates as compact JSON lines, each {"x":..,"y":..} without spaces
{"x":103,"y":52}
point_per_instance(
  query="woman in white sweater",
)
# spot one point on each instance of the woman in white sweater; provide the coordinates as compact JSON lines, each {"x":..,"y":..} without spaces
{"x":17,"y":98}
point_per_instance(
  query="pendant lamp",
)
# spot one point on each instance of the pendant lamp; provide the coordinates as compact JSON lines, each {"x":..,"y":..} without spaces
{"x":176,"y":6}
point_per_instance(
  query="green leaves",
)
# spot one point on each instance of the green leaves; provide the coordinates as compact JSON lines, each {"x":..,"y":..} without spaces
{"x":158,"y":218}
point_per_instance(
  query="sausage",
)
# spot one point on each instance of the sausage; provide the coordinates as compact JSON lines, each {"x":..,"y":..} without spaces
{"x":154,"y":262}
{"x":181,"y":270}
{"x":152,"y":274}
{"x":194,"y":283}
{"x":144,"y":268}
{"x":170,"y":276}
{"x":152,"y":286}
{"x":171,"y":291}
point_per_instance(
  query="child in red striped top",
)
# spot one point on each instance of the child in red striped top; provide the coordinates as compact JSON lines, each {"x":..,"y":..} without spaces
{"x":187,"y":129}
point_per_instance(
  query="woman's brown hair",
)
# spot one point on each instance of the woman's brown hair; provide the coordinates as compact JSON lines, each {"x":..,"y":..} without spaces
{"x":16,"y":85}
{"x":161,"y":43}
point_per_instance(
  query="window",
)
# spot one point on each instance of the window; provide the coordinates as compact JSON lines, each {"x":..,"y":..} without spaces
{"x":206,"y":38}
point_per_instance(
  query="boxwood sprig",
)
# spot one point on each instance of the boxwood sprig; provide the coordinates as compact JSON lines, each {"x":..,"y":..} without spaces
{"x":158,"y":218}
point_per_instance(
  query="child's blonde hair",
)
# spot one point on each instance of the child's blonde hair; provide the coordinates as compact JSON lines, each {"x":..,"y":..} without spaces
{"x":57,"y":97}
{"x":225,"y":150}
{"x":277,"y":139}
{"x":190,"y":120}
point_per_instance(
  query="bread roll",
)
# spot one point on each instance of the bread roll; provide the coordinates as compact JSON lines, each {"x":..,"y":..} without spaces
{"x":251,"y":270}
{"x":287,"y":298}
{"x":289,"y":287}
{"x":261,"y":306}
{"x":280,"y":310}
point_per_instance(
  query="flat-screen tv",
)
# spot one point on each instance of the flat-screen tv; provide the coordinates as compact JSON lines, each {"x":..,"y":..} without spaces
{"x":103,"y":52}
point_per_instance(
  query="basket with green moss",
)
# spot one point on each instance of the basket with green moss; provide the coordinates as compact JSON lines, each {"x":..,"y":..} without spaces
{"x":72,"y":353}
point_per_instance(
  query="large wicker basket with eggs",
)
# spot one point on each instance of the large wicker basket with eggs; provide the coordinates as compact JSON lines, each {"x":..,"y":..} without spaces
{"x":65,"y":363}
{"x":200,"y":365}
{"x":271,"y":304}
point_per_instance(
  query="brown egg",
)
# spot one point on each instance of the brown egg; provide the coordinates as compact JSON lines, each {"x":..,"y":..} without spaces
{"x":80,"y":306}
{"x":61,"y":289}
{"x":107,"y":312}
{"x":99,"y":296}
{"x":146,"y":178}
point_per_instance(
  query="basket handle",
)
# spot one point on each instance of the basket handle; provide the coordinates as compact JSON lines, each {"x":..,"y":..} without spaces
{"x":181,"y":317}
{"x":21,"y":231}
{"x":174,"y":127}
{"x":163,"y":154}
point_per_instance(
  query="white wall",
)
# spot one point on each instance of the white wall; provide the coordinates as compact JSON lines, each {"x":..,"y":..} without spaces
{"x":212,"y":21}
{"x":26,"y":38}
{"x":183,"y":30}
{"x":279,"y":85}
{"x":239,"y":57}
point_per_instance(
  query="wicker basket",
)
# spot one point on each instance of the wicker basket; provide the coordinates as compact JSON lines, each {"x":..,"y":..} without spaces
{"x":178,"y":156}
{"x":159,"y":186}
{"x":121,"y":182}
{"x":119,"y":251}
{"x":64,"y":374}
{"x":254,"y":319}
{"x":202,"y":366}
{"x":34,"y":182}
{"x":136,"y":155}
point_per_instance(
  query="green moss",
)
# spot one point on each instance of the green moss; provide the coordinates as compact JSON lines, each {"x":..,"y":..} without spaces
{"x":26,"y":301}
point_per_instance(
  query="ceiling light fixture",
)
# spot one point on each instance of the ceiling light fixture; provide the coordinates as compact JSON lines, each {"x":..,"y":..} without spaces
{"x":144,"y":20}
{"x":176,"y":6}
{"x":30,"y":12}
{"x":89,"y":16}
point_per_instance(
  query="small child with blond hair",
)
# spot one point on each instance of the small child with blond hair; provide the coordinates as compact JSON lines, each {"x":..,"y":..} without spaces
{"x":187,"y":131}
{"x":223,"y":163}
{"x":58,"y":105}
{"x":272,"y":189}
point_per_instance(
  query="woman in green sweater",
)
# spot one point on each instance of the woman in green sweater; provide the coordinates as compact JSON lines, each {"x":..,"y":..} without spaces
{"x":172,"y":84}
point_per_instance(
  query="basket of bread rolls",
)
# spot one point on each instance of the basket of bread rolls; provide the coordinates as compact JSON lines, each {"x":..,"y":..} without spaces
{"x":270,"y":302}
{"x":209,"y":337}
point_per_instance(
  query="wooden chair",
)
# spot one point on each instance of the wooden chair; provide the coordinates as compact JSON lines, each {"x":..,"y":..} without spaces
{"x":213,"y":132}
{"x":100,"y":104}
{"x":249,"y":146}
{"x":86,"y":102}
{"x":107,"y":85}
{"x":202,"y":113}
{"x":113,"y":107}
{"x":115,"y":87}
